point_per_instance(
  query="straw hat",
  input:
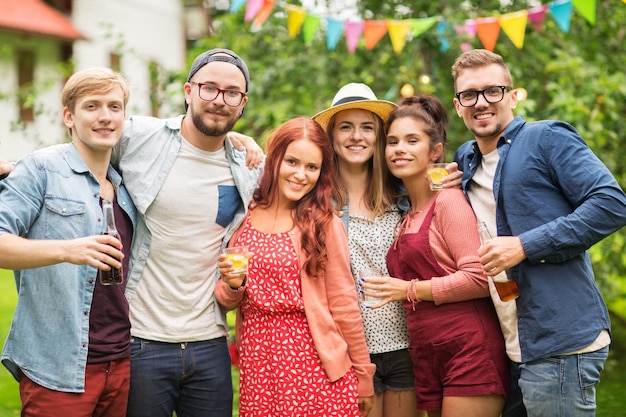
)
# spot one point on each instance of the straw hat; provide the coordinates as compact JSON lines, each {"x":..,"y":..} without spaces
{"x":355,"y":96}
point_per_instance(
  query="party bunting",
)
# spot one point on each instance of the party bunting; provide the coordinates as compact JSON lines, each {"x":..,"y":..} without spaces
{"x":401,"y":31}
{"x":252,"y":8}
{"x":295,"y":18}
{"x":263,"y":14}
{"x":587,"y":9}
{"x":236,"y":5}
{"x":488,"y":29}
{"x":536,"y":16}
{"x":561,"y":11}
{"x":398,"y":33}
{"x":334,"y":30}
{"x":353,"y":33}
{"x":309,"y":28}
{"x":469,"y":28}
{"x":514,"y":26}
{"x":374,"y":31}
{"x":419,"y":26}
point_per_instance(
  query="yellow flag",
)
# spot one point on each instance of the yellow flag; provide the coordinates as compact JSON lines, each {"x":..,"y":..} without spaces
{"x":398,"y":32}
{"x":295,"y":18}
{"x":514,"y":25}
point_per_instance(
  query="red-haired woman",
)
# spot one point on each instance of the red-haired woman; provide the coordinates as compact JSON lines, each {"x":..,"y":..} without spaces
{"x":299,"y":327}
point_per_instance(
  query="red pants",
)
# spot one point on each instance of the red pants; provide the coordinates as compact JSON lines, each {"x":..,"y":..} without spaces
{"x":106,"y":394}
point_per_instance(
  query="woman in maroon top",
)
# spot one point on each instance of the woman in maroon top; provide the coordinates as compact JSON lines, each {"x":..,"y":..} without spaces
{"x":456,"y":344}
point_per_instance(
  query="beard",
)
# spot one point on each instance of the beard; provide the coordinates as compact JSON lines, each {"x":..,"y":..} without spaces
{"x":218,"y":129}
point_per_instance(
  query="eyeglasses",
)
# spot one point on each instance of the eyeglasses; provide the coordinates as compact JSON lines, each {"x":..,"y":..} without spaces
{"x":208,"y":92}
{"x":493,"y":94}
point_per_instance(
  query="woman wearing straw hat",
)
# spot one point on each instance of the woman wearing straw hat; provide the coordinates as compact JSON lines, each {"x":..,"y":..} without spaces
{"x":355,"y":123}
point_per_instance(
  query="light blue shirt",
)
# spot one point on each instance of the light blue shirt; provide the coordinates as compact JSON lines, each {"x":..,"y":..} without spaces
{"x":51,"y":194}
{"x":145,"y":155}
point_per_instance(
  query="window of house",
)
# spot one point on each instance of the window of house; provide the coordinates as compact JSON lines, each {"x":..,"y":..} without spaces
{"x":25,"y":78}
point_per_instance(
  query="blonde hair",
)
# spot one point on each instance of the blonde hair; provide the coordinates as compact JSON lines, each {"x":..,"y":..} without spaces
{"x":92,"y":81}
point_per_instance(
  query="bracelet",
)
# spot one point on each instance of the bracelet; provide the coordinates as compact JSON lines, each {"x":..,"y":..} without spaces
{"x":411,"y":295}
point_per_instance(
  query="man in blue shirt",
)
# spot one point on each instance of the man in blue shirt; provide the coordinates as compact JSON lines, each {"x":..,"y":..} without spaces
{"x":69,"y":342}
{"x":548,"y":198}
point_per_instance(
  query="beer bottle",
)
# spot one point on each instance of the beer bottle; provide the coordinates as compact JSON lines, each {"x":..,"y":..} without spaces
{"x":114,"y":275}
{"x":507,"y":288}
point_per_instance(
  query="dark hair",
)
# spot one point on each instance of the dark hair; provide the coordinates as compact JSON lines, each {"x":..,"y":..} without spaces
{"x":428,"y":109}
{"x":315,"y":210}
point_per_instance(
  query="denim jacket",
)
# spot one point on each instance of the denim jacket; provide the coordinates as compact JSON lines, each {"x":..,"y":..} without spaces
{"x":51,"y":194}
{"x":144,"y":156}
{"x":555,"y":195}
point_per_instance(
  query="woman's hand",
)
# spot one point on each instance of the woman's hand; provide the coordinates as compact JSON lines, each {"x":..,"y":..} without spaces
{"x":387,"y":289}
{"x":365,"y":405}
{"x":233,"y":279}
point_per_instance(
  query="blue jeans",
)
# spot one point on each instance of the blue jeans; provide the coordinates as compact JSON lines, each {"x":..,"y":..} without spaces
{"x":191,"y":378}
{"x":562,"y":386}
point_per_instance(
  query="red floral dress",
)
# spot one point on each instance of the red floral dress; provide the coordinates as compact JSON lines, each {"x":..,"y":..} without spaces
{"x":280,"y":371}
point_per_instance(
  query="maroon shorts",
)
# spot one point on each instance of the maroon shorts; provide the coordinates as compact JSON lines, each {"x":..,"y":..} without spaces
{"x":458,"y":351}
{"x":106,"y":394}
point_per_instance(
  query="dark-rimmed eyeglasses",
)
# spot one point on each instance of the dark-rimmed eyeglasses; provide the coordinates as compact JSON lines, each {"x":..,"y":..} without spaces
{"x":493,"y":94}
{"x":208,"y":92}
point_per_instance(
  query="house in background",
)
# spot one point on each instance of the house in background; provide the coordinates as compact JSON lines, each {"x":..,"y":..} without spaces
{"x":43,"y":41}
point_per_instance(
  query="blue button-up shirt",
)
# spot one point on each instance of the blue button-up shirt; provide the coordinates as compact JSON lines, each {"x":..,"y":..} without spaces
{"x":51,"y":194}
{"x":145,"y":155}
{"x":555,"y":195}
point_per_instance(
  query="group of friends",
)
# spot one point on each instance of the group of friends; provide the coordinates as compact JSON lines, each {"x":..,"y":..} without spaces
{"x":343,"y":191}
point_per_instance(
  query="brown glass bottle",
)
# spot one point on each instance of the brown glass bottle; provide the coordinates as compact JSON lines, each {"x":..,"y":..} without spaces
{"x":114,"y":275}
{"x":507,"y":288}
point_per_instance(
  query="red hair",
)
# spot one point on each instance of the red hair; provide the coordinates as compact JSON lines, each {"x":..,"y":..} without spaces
{"x":313,"y":211}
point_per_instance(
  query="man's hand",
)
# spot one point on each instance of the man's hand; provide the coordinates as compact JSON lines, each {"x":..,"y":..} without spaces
{"x":5,"y":169}
{"x":254,"y":153}
{"x":501,"y":253}
{"x":453,"y":179}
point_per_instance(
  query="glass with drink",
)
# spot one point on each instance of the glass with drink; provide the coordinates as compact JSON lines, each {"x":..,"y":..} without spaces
{"x":369,"y":300}
{"x":238,"y":256}
{"x":507,"y":288}
{"x":435,"y":173}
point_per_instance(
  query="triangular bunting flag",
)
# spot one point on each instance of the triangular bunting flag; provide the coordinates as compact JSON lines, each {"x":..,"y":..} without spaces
{"x":309,"y":28}
{"x":374,"y":30}
{"x":468,"y":27}
{"x":536,"y":16}
{"x":236,"y":5}
{"x":514,"y":26}
{"x":444,"y":42}
{"x":561,"y":11}
{"x":488,"y":29}
{"x":263,"y":14}
{"x":587,"y":8}
{"x":334,"y":29}
{"x":398,"y":33}
{"x":419,"y":26}
{"x":252,"y":8}
{"x":353,"y":33}
{"x":295,"y":18}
